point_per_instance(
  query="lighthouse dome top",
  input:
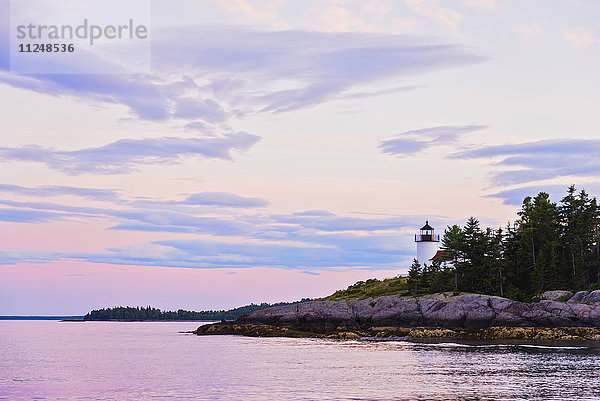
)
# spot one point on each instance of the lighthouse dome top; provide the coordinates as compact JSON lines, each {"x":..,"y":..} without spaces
{"x":427,"y":226}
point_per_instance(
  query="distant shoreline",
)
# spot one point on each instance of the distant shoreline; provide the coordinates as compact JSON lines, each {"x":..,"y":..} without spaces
{"x":80,"y":319}
{"x":148,"y":320}
{"x":41,"y":317}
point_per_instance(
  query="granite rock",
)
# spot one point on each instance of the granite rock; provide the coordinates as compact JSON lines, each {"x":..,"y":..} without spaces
{"x":578,"y":297}
{"x":591,"y":298}
{"x":557,"y":295}
{"x":468,"y":311}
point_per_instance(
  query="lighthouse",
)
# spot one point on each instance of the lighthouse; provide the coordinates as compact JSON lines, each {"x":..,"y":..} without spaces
{"x":427,"y":243}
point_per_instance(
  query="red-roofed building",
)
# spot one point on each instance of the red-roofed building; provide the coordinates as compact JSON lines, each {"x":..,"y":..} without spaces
{"x":442,"y":256}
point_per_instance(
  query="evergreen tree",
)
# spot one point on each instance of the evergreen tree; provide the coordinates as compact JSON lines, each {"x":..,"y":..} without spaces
{"x":579,"y":222}
{"x":414,"y":276}
{"x":492,"y":275}
{"x":540,"y":225}
{"x":452,"y":245}
{"x":472,"y":248}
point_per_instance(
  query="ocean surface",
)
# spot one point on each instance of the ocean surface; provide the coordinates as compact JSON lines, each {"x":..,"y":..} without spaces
{"x":49,"y":360}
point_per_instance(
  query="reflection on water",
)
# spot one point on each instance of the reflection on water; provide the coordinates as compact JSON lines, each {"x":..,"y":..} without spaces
{"x":153,"y":361}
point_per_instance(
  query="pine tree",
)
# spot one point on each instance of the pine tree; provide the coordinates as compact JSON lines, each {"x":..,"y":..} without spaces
{"x":579,"y":218}
{"x":470,"y":270}
{"x":452,"y":245}
{"x":414,"y":276}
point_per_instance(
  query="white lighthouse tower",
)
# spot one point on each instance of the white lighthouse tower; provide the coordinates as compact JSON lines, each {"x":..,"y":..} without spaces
{"x":427,"y":243}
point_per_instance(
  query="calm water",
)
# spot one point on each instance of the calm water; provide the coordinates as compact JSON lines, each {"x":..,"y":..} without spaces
{"x":152,"y":361}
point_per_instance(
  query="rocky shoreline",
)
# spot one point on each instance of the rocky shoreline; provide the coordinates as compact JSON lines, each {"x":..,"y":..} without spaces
{"x":517,"y":334}
{"x":461,"y":311}
{"x":575,"y":317}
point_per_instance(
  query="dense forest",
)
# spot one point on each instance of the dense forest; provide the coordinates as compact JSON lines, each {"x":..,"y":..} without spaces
{"x":148,"y":313}
{"x":550,"y":246}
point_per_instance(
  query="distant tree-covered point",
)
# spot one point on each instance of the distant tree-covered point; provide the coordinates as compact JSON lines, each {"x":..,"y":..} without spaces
{"x":136,"y":314}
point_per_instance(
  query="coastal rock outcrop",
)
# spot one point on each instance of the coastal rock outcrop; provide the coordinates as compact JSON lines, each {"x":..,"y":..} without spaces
{"x":557,"y":295}
{"x":512,"y":334}
{"x":463,"y":311}
{"x":592,"y":298}
{"x":578,"y":297}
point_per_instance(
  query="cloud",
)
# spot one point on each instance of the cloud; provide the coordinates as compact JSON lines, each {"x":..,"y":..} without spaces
{"x":149,"y":217}
{"x":299,"y":98}
{"x":528,"y":31}
{"x":358,"y":95}
{"x":311,"y":240}
{"x":28,"y":216}
{"x":169,"y":221}
{"x":540,"y":160}
{"x":580,"y":36}
{"x":326,"y":221}
{"x":207,"y":109}
{"x":13,"y":257}
{"x":51,"y":206}
{"x":305,"y":57}
{"x":250,"y":71}
{"x":515,"y":196}
{"x":216,"y":254}
{"x":240,"y":243}
{"x":302,"y":249}
{"x":146,"y":99}
{"x":403,"y":146}
{"x":123,"y":156}
{"x":431,"y":8}
{"x":198,"y":126}
{"x":49,"y":191}
{"x":310,"y":273}
{"x":226,"y":199}
{"x":221,"y":254}
{"x":410,"y":142}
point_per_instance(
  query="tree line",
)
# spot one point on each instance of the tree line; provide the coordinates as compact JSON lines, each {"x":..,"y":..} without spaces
{"x":128,"y":313}
{"x":549,"y":246}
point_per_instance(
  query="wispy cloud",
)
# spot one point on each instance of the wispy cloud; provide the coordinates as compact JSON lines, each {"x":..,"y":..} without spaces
{"x":528,"y":31}
{"x":226,"y":199}
{"x":12,"y":257}
{"x":145,"y":98}
{"x":55,"y":190}
{"x":515,"y":196}
{"x":55,"y":207}
{"x":272,"y":71}
{"x":581,"y":36}
{"x":325,"y":221}
{"x":358,"y":95}
{"x":410,"y":142}
{"x":205,"y":109}
{"x":28,"y":216}
{"x":312,"y":240}
{"x":432,"y":8}
{"x":222,"y":254}
{"x":169,"y":221}
{"x":125,"y":155}
{"x":540,"y":160}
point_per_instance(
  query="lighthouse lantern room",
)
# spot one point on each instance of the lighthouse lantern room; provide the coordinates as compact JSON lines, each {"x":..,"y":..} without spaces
{"x":427,"y":243}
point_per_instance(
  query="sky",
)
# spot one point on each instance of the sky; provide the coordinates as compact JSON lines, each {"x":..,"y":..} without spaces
{"x":282,"y":149}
